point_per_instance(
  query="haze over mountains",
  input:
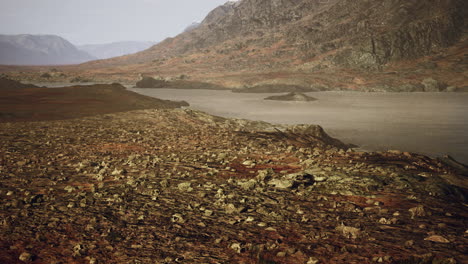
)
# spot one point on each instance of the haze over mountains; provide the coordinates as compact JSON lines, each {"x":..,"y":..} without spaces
{"x":39,"y":50}
{"x":110,"y":50}
{"x":54,"y":50}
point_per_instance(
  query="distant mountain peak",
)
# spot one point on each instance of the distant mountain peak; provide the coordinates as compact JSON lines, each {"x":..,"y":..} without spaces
{"x":27,"y":49}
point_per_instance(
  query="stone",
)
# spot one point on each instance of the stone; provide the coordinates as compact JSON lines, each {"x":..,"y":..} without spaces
{"x":320,"y":178}
{"x":117,"y":172}
{"x":281,"y":183}
{"x":177,"y":218}
{"x":437,"y":238}
{"x":451,"y":89}
{"x":264,"y":175}
{"x":26,"y":257}
{"x":417,"y":211}
{"x":208,"y":213}
{"x":292,"y":181}
{"x":293,"y":96}
{"x":237,"y":247}
{"x":185,"y":187}
{"x":432,"y":85}
{"x":348,"y":231}
{"x":409,"y":243}
{"x":247,"y":185}
{"x":248,"y":163}
{"x":230,"y":209}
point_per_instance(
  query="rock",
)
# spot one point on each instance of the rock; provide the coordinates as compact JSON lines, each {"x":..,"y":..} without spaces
{"x":208,"y":213}
{"x":348,"y":231}
{"x":298,"y":97}
{"x":26,"y":257}
{"x":185,"y":187}
{"x":312,"y":260}
{"x":247,"y":185}
{"x":417,"y":211}
{"x":437,"y":238}
{"x":264,"y":175}
{"x":238,"y":247}
{"x":117,"y":172}
{"x":292,"y":181}
{"x":248,"y":163}
{"x":320,"y":178}
{"x":177,"y":218}
{"x":431,"y":85}
{"x":282,"y":183}
{"x":230,"y":208}
{"x":409,"y":243}
{"x":78,"y":250}
{"x":451,"y":89}
{"x":91,"y":260}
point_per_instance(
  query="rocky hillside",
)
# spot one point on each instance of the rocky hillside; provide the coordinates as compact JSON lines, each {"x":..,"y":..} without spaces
{"x":338,"y":44}
{"x":363,"y":33}
{"x":115,"y":49}
{"x":39,"y":50}
{"x":180,"y":186}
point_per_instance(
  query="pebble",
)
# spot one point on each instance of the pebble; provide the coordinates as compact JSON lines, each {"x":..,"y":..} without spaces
{"x":313,"y":260}
{"x":437,"y":238}
{"x":26,"y":257}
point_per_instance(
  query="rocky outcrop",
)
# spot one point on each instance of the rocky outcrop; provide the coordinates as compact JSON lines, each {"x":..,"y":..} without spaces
{"x":148,"y":82}
{"x":431,"y":85}
{"x":298,"y":97}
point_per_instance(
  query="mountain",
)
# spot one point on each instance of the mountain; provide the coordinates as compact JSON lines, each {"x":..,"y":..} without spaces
{"x":39,"y":50}
{"x":375,"y":45}
{"x":110,"y":50}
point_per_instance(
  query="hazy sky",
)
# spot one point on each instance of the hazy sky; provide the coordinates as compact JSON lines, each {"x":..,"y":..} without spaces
{"x":102,"y":21}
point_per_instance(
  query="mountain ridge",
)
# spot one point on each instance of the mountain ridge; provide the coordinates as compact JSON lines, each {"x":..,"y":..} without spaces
{"x":341,"y":44}
{"x":26,"y":49}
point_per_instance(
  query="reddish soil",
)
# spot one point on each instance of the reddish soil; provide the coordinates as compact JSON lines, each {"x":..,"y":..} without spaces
{"x":28,"y":103}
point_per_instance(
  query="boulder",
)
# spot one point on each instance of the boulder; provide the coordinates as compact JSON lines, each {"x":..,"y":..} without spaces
{"x":432,"y":85}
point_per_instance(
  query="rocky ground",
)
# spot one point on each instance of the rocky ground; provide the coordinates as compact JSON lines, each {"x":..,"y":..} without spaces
{"x":180,"y":186}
